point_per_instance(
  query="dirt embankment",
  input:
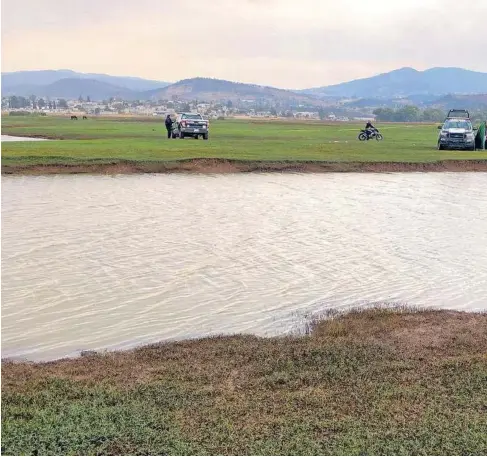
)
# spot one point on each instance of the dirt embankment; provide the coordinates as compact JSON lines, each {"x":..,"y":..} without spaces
{"x":240,"y":166}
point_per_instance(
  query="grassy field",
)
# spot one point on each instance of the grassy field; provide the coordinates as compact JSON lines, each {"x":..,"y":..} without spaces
{"x":376,"y":382}
{"x":100,"y":140}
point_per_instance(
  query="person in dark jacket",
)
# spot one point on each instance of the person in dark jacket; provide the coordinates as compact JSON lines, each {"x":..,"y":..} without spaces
{"x":369,"y":128}
{"x":169,"y":126}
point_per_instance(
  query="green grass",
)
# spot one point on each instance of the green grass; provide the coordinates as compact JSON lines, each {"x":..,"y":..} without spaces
{"x":376,"y":382}
{"x":101,"y":140}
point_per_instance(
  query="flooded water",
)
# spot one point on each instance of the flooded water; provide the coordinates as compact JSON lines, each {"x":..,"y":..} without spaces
{"x":100,"y":262}
{"x":20,"y":138}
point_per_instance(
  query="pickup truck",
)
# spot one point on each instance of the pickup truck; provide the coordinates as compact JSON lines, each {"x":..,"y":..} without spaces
{"x":193,"y":125}
{"x":456,"y":133}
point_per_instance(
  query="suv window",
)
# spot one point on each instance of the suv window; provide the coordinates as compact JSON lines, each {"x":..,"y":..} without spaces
{"x":191,"y":116}
{"x":457,"y":125}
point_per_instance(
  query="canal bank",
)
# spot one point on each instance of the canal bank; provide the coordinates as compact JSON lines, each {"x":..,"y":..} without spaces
{"x":383,"y":382}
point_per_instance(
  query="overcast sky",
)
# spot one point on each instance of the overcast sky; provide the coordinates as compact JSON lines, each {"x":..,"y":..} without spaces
{"x":284,"y":43}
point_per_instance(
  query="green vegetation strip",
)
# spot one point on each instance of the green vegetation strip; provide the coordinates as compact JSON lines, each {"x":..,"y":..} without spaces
{"x":101,"y":140}
{"x":375,"y":382}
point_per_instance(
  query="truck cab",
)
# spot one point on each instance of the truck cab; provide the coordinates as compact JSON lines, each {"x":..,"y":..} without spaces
{"x":458,"y":114}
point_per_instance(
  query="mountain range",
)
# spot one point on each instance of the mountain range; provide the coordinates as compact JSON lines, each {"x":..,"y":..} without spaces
{"x":19,"y":81}
{"x":405,"y":83}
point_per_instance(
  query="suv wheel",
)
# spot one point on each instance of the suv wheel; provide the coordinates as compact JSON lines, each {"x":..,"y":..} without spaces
{"x":205,"y":136}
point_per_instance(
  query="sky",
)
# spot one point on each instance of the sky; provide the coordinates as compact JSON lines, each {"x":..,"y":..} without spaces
{"x":291,"y":44}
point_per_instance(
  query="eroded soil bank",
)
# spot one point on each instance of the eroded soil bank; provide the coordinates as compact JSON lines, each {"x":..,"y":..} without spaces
{"x":236,"y":166}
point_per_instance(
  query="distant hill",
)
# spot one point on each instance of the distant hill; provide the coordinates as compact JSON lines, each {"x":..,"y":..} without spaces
{"x":15,"y":82}
{"x":472,"y":102}
{"x":408,"y":81}
{"x":376,"y":102}
{"x":72,"y":88}
{"x":209,"y":89}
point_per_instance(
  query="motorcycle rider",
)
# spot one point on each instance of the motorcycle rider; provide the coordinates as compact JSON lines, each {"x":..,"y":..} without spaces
{"x":369,"y":129}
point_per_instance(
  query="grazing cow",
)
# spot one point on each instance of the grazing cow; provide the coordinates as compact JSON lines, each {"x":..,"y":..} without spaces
{"x":85,"y":117}
{"x":74,"y":118}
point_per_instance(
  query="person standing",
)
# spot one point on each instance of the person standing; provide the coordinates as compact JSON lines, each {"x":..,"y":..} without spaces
{"x":169,"y":123}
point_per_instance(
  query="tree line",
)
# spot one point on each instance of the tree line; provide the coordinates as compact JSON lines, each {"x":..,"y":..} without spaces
{"x":415,"y":114}
{"x":19,"y":102}
{"x":409,"y":114}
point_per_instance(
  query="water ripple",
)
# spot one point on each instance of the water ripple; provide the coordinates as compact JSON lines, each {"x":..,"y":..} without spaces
{"x":103,"y":262}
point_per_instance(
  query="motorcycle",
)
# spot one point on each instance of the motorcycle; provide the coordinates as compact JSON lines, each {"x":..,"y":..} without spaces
{"x":370,"y":134}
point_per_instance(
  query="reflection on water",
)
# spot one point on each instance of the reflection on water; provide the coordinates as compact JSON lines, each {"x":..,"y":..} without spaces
{"x":20,"y":138}
{"x":92,"y":262}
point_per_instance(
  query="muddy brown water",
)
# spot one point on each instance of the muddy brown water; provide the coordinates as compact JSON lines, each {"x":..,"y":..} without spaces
{"x":108,"y":262}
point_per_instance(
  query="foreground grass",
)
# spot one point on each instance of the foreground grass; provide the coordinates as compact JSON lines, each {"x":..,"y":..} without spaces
{"x":100,"y":140}
{"x":375,"y":382}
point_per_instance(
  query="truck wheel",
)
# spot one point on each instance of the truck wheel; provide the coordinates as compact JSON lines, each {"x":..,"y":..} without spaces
{"x":205,"y":136}
{"x":440,"y":147}
{"x":181,"y":135}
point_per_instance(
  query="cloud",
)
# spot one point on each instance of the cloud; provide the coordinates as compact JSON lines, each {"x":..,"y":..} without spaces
{"x":286,"y":43}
